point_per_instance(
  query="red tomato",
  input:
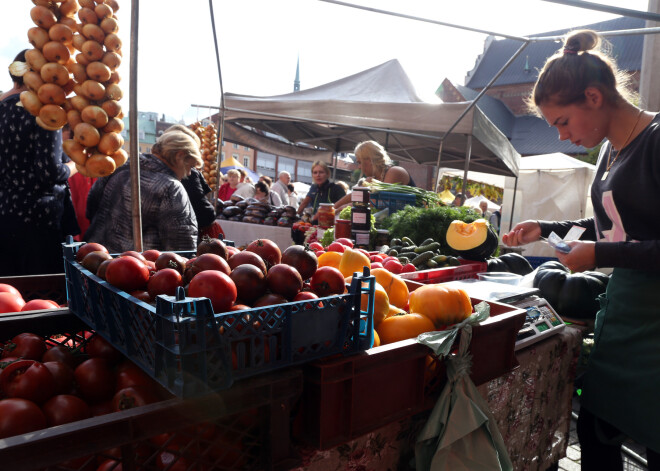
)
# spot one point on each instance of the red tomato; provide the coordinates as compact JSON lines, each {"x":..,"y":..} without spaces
{"x":65,"y":408}
{"x":336,"y":247}
{"x":87,"y":248}
{"x":5,"y":288}
{"x":316,"y":246}
{"x":366,"y":254}
{"x":98,"y":347}
{"x":206,"y":261}
{"x":131,"y":397}
{"x":101,"y":408}
{"x":127,"y":273}
{"x":231,"y":251}
{"x":318,"y":253}
{"x":215,"y":285}
{"x":27,"y":379}
{"x":39,"y":304}
{"x":266,"y":249}
{"x":10,"y":302}
{"x":327,"y":281}
{"x":134,"y":254}
{"x":151,"y":255}
{"x":164,"y":281}
{"x":95,"y":379}
{"x":130,"y":375}
{"x":303,"y":295}
{"x":110,"y":465}
{"x":63,"y":375}
{"x":59,"y":353}
{"x":393,"y":266}
{"x":25,"y":345}
{"x":345,"y":241}
{"x":376,"y":265}
{"x":142,"y":295}
{"x":407,"y":268}
{"x":19,"y":416}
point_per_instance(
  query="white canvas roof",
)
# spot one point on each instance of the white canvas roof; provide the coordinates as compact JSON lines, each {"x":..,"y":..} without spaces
{"x":377,"y":104}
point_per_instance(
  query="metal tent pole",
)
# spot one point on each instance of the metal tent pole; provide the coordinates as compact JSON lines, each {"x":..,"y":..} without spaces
{"x":221,"y":117}
{"x":133,"y":129}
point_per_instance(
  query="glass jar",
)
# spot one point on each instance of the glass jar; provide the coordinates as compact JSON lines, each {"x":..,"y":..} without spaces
{"x":360,"y":196}
{"x":382,"y":237}
{"x":342,"y":228}
{"x":361,"y":218}
{"x":326,"y":215}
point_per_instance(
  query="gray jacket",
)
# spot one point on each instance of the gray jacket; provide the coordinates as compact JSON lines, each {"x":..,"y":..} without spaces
{"x":168,"y":219}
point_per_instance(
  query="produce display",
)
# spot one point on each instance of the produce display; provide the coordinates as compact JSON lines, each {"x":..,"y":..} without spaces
{"x":254,"y":211}
{"x":209,"y":149}
{"x":46,"y":382}
{"x":11,"y":300}
{"x":81,"y":90}
{"x":474,"y":240}
{"x":573,"y":295}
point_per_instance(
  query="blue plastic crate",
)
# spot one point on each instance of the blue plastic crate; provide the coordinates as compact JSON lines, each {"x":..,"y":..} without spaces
{"x":536,"y":261}
{"x":391,"y":200}
{"x":191,"y":350}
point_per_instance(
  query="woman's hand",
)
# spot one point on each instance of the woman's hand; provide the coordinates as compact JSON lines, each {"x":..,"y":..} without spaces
{"x":523,"y":233}
{"x":581,"y":257}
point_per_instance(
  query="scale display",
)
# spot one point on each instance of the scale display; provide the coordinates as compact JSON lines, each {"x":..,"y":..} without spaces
{"x":541,"y":321}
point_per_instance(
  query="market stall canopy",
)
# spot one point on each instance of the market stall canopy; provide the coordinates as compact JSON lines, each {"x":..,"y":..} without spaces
{"x":231,"y":163}
{"x":475,"y":203}
{"x":378,"y":104}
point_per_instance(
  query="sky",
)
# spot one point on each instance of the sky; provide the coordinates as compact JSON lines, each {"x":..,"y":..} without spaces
{"x":260,"y":42}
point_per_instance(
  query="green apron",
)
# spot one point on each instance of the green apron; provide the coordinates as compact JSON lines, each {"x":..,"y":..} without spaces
{"x":622,"y":381}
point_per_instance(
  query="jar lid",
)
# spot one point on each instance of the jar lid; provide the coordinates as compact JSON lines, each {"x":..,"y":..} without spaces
{"x":326,"y":204}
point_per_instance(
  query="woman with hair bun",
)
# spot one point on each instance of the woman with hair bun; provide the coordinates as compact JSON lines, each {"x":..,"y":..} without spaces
{"x":580,"y":92}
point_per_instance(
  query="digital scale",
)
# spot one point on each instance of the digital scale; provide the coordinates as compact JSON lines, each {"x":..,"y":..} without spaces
{"x":541,"y":321}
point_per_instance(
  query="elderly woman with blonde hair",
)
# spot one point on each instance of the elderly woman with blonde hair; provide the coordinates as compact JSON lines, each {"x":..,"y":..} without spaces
{"x":168,"y":218}
{"x":375,"y":164}
{"x":227,"y":189}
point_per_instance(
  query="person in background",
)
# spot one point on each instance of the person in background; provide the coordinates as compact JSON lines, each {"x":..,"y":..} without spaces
{"x":281,"y":187}
{"x":80,"y":186}
{"x":198,"y":191}
{"x":579,"y":92}
{"x":495,"y":220}
{"x":321,"y":191}
{"x":375,"y":164}
{"x":267,"y":180}
{"x":458,"y":200}
{"x":168,"y":218}
{"x":36,"y":211}
{"x":483,"y":209}
{"x":293,"y":195}
{"x":227,"y":189}
{"x":265,"y":195}
{"x":245,"y":188}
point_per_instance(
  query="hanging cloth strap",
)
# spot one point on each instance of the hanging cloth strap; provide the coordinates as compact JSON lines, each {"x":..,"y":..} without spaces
{"x":461,"y":432}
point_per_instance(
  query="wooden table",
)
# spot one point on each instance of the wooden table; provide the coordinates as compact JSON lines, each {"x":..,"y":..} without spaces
{"x":532,"y":406}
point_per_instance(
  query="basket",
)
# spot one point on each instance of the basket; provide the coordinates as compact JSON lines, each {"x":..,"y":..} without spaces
{"x":391,"y":201}
{"x":245,"y":427}
{"x":51,"y":287}
{"x":344,"y":398}
{"x":464,"y":271}
{"x":191,"y":350}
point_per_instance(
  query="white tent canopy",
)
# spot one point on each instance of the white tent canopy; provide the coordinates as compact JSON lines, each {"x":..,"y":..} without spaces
{"x":377,"y":104}
{"x":550,"y":187}
{"x":475,"y":203}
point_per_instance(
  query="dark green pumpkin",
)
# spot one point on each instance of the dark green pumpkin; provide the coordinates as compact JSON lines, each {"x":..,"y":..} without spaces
{"x":517,"y":263}
{"x":572,"y":295}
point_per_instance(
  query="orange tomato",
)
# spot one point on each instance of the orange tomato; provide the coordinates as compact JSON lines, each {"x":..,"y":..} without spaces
{"x":406,"y":326}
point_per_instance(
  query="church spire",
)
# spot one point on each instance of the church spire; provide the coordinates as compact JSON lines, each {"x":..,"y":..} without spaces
{"x":296,"y":82}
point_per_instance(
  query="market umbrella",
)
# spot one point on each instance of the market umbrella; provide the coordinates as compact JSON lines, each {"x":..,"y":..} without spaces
{"x":231,"y":163}
{"x":461,"y":433}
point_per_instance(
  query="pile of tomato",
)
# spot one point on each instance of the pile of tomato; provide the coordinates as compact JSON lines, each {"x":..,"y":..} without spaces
{"x":44,"y":383}
{"x":11,"y":300}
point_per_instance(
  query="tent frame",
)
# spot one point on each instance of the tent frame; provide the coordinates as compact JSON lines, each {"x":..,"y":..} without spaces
{"x":133,"y":121}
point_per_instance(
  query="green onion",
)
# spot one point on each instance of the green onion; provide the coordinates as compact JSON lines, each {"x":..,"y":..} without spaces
{"x":423,"y":196}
